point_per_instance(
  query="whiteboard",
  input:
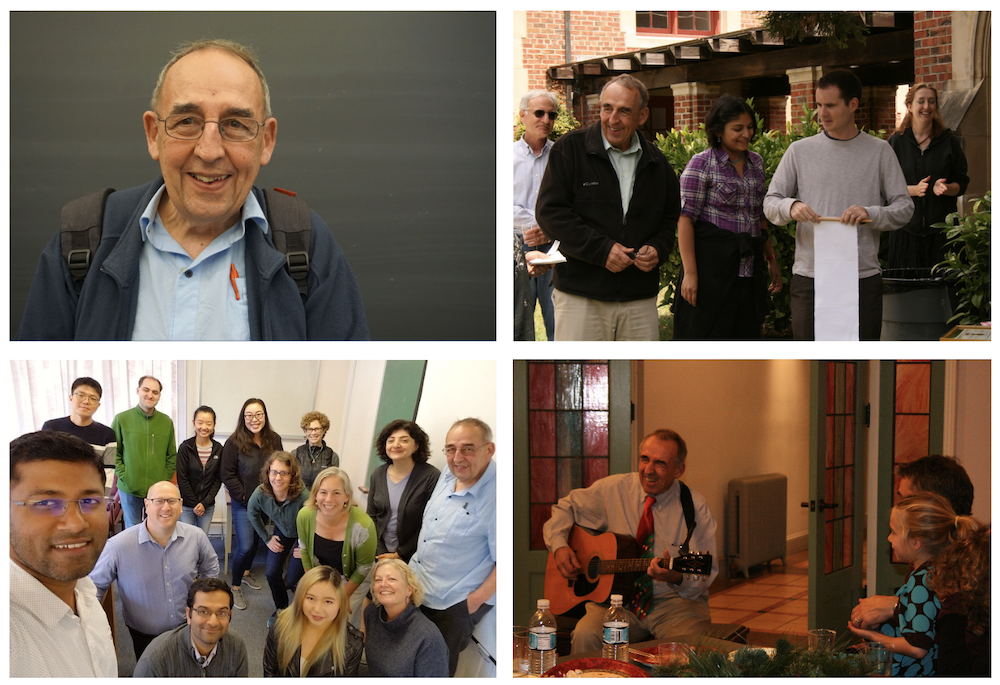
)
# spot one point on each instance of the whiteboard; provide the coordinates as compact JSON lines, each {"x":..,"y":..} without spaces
{"x":288,"y":389}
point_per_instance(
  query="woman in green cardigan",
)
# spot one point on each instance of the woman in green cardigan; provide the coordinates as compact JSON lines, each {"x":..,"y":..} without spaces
{"x":334,"y":531}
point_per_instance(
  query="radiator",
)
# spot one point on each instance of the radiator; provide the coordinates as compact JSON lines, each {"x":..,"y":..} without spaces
{"x":756,"y":520}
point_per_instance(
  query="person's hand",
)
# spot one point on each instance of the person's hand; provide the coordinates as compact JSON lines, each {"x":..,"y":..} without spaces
{"x":535,"y":269}
{"x":199,"y":509}
{"x":921,"y":187}
{"x":297,"y":552}
{"x":534,"y":236}
{"x":646,"y":258}
{"x":472,"y":604}
{"x":619,"y":258}
{"x":802,"y":212}
{"x":274,"y":544}
{"x":567,"y":563}
{"x":940,"y":186}
{"x":363,"y":489}
{"x":775,"y":271}
{"x":872,"y":635}
{"x":854,"y":215}
{"x":689,"y":288}
{"x":664,"y":575}
{"x":388,"y":555}
{"x":873,"y":611}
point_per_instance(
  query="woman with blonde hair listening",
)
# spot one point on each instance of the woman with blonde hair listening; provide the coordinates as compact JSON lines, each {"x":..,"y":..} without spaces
{"x":312,"y":637}
{"x":400,"y":641}
{"x":334,"y":531}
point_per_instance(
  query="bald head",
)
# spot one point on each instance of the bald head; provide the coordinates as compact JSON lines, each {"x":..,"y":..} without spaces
{"x":163,"y":508}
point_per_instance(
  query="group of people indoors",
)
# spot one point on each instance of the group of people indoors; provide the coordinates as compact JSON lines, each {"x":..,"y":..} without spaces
{"x":401,"y":584}
{"x":719,"y":209}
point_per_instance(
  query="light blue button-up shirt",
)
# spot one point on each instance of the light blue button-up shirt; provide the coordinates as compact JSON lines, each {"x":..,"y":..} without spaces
{"x":625,"y":164}
{"x":457,"y":548}
{"x":528,"y":172}
{"x":193,"y":299}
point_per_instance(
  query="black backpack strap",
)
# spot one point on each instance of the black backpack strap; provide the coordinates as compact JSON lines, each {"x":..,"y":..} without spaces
{"x":687,"y":504}
{"x":80,"y":233}
{"x":291,"y":227}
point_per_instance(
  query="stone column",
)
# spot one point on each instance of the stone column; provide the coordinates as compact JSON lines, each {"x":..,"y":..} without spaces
{"x":803,"y":86}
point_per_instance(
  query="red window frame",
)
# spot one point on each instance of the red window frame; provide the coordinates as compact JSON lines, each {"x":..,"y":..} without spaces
{"x":672,"y":26}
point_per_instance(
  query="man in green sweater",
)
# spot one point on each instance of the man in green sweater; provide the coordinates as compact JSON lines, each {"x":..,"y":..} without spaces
{"x":147,"y":452}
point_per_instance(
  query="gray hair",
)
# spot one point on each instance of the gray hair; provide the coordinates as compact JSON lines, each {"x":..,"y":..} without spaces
{"x":233,"y":48}
{"x":531,"y":95}
{"x":483,"y":427}
{"x":632,"y":83}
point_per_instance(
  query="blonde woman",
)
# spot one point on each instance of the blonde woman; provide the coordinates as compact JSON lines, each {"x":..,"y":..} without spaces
{"x":334,"y":531}
{"x":312,"y":636}
{"x":400,"y":641}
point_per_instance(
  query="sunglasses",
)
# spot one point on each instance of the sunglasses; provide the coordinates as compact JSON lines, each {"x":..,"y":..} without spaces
{"x":541,"y":113}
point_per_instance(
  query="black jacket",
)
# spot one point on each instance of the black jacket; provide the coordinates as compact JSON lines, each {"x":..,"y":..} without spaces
{"x":353,"y":647}
{"x":241,"y":472}
{"x":410,"y":517}
{"x":310,"y":469}
{"x":943,"y":158}
{"x":198,"y":484}
{"x":579,"y":203}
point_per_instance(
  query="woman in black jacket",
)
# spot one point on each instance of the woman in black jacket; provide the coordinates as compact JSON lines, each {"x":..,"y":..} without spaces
{"x":405,"y":449}
{"x":199,"y":459}
{"x":936,"y":174}
{"x":315,"y":455}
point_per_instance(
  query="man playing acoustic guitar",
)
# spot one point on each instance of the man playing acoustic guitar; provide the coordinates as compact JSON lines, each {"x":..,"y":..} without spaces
{"x":661,"y":513}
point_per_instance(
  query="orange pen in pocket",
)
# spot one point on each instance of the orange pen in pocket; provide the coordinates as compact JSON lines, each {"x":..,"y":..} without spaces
{"x":233,"y":275}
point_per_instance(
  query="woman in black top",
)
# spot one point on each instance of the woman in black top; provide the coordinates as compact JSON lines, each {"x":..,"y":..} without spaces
{"x":199,"y":480}
{"x":243,"y":457}
{"x":936,"y":174}
{"x":314,"y":456}
{"x":399,"y":489}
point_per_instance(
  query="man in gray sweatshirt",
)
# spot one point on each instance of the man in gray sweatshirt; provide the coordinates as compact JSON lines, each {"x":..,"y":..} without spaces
{"x":840,"y":172}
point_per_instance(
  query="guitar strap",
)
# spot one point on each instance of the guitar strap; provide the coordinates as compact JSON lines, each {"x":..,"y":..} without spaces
{"x":687,"y":505}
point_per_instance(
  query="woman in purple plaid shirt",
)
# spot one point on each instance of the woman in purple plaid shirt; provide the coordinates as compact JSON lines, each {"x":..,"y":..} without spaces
{"x":722,"y":234}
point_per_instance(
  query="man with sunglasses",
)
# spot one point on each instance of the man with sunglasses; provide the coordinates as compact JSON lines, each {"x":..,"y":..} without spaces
{"x":84,"y":399}
{"x":58,"y":527}
{"x":204,"y":647}
{"x":538,"y":112}
{"x":456,"y":557}
{"x":191,"y":256}
{"x":153,"y":565}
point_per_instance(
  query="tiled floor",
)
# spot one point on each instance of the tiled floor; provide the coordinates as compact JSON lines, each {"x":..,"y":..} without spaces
{"x":775,"y":601}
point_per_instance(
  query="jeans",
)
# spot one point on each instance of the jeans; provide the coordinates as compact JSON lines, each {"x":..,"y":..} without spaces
{"x":203,"y":521}
{"x":133,"y":507}
{"x":246,"y":542}
{"x":276,"y":564}
{"x":541,"y":290}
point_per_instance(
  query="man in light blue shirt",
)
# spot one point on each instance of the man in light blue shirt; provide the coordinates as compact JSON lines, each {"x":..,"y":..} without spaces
{"x":154,"y":564}
{"x":538,"y":112}
{"x":456,"y":557}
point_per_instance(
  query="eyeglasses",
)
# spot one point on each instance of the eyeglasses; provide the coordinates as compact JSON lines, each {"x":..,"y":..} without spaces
{"x":57,"y":507}
{"x":541,"y":114}
{"x":250,"y":417}
{"x":190,"y":127}
{"x":282,"y":474}
{"x":466,"y":450}
{"x":160,"y":501}
{"x":314,"y":430}
{"x":221,"y":614}
{"x":93,"y":399}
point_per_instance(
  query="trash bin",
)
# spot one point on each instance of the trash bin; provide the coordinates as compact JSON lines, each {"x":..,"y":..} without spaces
{"x":915,"y":305}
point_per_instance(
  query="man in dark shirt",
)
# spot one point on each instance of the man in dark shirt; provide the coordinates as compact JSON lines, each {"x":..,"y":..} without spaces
{"x":84,"y":399}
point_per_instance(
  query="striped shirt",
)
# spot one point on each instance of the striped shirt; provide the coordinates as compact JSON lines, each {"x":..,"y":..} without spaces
{"x":712,"y":190}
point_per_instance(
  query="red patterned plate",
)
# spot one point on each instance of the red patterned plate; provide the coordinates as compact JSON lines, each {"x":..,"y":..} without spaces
{"x":593,"y":667}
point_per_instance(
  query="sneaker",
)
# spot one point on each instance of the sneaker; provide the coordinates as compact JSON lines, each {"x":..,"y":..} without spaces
{"x":270,"y":621}
{"x":251,"y":583}
{"x":238,"y":600}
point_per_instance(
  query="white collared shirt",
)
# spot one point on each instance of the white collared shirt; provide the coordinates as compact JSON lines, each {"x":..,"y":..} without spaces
{"x":625,"y":164}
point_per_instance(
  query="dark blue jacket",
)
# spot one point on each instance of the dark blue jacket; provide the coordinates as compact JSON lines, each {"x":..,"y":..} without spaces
{"x":106,"y":307}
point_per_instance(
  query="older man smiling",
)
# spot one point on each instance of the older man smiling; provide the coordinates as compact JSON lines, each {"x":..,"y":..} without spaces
{"x":192,"y":255}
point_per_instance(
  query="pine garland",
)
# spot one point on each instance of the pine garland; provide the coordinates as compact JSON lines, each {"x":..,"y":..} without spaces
{"x":754,"y":662}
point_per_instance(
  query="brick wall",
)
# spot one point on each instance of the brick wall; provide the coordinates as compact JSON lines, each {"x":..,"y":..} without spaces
{"x":749,"y":19}
{"x":593,"y":34}
{"x":877,"y":110}
{"x":932,"y":47}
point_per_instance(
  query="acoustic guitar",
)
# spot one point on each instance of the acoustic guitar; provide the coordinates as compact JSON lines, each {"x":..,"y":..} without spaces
{"x":610,"y":565}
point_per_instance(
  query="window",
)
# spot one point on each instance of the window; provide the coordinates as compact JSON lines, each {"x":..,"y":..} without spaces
{"x":677,"y":23}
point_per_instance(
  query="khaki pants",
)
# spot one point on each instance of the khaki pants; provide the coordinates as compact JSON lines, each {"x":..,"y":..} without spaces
{"x":672,"y":615}
{"x":581,"y":318}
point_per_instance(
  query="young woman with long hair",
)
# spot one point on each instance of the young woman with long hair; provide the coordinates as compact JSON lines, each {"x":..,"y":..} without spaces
{"x":311,"y":636}
{"x":199,"y":460}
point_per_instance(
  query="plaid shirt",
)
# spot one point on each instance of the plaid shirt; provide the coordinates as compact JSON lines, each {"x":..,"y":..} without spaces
{"x":712,"y":190}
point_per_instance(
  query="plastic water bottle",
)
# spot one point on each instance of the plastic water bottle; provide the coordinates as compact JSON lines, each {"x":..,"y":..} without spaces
{"x":615,"y":631}
{"x":541,"y":640}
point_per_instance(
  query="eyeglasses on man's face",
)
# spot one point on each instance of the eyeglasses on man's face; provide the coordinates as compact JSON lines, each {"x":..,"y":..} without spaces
{"x":466,"y":450}
{"x":191,"y":127}
{"x":221,"y":614}
{"x":160,"y":501}
{"x":92,"y":399}
{"x":54,"y":506}
{"x":541,"y":114}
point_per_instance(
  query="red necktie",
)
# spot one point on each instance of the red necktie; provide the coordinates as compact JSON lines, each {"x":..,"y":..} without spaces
{"x":642,"y":593}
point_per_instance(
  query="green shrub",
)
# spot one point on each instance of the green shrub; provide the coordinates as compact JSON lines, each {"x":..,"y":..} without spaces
{"x":565,"y":123}
{"x":967,"y":261}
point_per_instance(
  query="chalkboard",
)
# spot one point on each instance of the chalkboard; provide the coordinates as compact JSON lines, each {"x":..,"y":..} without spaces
{"x":386,"y":128}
